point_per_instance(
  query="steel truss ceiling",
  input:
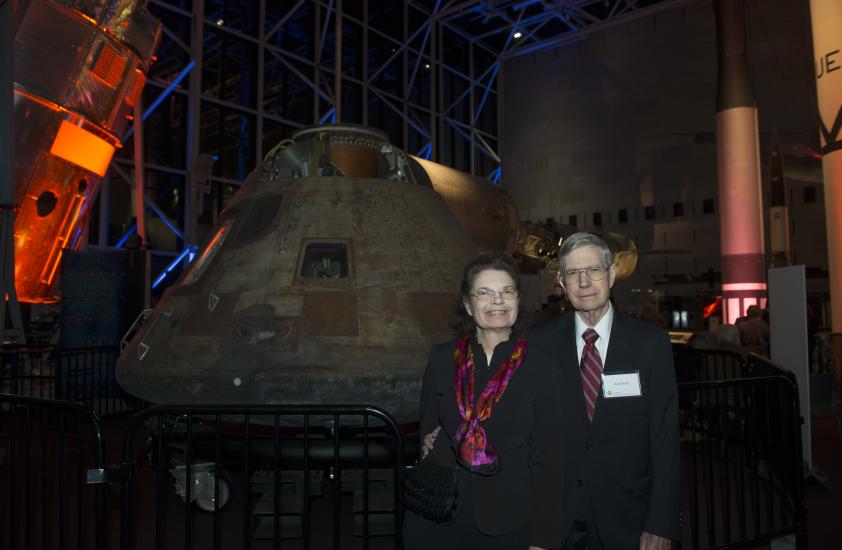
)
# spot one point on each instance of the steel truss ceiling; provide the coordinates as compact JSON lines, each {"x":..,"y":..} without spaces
{"x":235,"y":77}
{"x":541,"y":24}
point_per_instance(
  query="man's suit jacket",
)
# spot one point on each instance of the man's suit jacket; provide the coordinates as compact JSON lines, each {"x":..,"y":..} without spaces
{"x":628,"y":458}
{"x":523,"y":431}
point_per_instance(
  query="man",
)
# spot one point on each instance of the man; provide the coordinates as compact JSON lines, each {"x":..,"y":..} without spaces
{"x":754,"y":331}
{"x":620,"y":412}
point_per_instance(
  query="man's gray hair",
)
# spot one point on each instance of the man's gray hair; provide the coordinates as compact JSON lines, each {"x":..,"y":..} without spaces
{"x":578,"y":240}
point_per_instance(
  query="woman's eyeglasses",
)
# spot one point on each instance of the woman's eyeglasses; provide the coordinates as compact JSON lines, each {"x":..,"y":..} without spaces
{"x":486,"y":294}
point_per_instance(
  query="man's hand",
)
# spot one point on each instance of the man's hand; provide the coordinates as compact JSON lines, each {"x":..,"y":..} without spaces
{"x":648,"y":541}
{"x":536,"y":548}
{"x":429,"y":441}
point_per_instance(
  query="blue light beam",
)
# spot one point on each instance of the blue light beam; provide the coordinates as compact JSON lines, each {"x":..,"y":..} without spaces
{"x":126,"y":236}
{"x":425,"y":151}
{"x":187,"y":250}
{"x":329,"y":115}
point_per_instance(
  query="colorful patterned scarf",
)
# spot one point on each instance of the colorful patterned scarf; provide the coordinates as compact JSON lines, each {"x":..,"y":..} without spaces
{"x":474,"y":449}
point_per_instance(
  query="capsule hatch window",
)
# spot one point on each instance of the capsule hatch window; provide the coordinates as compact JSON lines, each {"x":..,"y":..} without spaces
{"x":325,"y":261}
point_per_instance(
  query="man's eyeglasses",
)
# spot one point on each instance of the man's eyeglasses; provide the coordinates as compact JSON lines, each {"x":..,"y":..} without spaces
{"x":486,"y":294}
{"x":594,"y":273}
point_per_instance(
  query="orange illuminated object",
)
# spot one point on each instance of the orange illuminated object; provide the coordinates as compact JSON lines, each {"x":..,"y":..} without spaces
{"x":62,"y":240}
{"x":109,"y":66}
{"x":711,"y":308}
{"x":71,"y":114}
{"x":40,"y":240}
{"x":82,"y":148}
{"x":136,"y":87}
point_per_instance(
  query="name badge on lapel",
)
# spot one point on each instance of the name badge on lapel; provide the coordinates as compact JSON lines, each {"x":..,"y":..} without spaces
{"x":621,"y":384}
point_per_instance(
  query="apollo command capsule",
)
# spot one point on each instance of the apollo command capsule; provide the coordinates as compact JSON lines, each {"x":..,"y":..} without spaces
{"x":331,"y":274}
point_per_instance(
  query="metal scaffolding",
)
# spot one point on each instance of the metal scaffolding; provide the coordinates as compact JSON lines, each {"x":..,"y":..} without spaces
{"x":235,"y":77}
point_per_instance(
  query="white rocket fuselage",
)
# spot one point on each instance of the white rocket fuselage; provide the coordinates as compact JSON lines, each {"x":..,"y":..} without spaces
{"x":738,"y":159}
{"x":826,"y":18}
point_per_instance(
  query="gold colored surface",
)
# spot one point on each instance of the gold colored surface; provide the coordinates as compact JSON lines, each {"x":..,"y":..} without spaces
{"x":485,"y":211}
{"x":625,"y":254}
{"x":354,"y":161}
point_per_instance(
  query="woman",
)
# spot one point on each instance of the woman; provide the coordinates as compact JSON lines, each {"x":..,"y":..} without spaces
{"x":502,"y":436}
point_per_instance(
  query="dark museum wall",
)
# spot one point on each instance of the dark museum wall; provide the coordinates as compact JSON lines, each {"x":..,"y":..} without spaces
{"x":615,"y":133}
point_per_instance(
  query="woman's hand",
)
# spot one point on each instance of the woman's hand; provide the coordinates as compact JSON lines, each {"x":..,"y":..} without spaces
{"x":429,"y":441}
{"x":648,"y":541}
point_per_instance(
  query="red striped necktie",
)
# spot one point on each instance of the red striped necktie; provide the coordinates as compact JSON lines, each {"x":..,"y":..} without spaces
{"x":591,"y":366}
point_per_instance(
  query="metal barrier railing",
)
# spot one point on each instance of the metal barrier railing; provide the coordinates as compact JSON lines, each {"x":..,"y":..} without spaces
{"x":741,"y":447}
{"x":48,"y":448}
{"x":27,"y":371}
{"x":701,"y":365}
{"x":263,"y":471}
{"x":83,"y":375}
{"x":758,"y":366}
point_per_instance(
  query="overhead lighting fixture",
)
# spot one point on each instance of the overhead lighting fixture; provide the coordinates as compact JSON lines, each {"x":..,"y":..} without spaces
{"x":517,"y":35}
{"x":426,"y":65}
{"x":220,"y":22}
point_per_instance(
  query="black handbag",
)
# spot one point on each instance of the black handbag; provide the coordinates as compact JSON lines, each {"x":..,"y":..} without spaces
{"x":430,"y":491}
